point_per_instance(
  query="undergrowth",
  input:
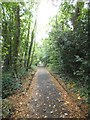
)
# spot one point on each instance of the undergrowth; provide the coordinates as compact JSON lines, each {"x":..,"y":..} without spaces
{"x":74,"y":85}
{"x":10,"y":85}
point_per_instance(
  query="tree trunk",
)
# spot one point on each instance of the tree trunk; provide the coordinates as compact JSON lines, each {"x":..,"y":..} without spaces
{"x":30,"y":49}
{"x":7,"y":43}
{"x":26,"y":44}
{"x":32,"y":55}
{"x":16,"y":38}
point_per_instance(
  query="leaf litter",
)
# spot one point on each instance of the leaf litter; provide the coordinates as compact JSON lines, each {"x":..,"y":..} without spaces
{"x":22,"y":103}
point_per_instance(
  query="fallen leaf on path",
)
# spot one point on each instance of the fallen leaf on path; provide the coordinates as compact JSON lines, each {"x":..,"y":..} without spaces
{"x":49,"y":105}
{"x":45,"y":116}
{"x":65,"y":113}
{"x":66,"y":103}
{"x":54,"y":106}
{"x":36,"y":93}
{"x":56,"y":110}
{"x":20,"y":103}
{"x":44,"y":110}
{"x":35,"y":100}
{"x":63,"y":108}
{"x":27,"y":115}
{"x":39,"y":95}
{"x":51,"y":112}
{"x":79,"y":98}
{"x":47,"y":97}
{"x":60,"y":100}
{"x":44,"y":104}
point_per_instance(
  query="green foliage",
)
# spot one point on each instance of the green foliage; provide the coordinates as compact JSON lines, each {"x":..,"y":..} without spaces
{"x":6,"y":108}
{"x":9,"y":84}
{"x":67,"y":45}
{"x":22,"y":72}
{"x":17,"y":26}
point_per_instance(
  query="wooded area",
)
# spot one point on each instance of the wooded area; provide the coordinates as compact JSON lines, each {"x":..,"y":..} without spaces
{"x":18,"y":29}
{"x":66,"y":50}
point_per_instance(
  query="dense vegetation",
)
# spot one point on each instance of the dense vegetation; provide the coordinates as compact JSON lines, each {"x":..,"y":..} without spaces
{"x":65,"y":51}
{"x":66,"y":48}
{"x":18,"y":30}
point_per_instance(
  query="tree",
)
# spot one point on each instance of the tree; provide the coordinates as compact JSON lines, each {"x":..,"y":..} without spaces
{"x":16,"y":37}
{"x":67,"y":52}
{"x":30,"y":47}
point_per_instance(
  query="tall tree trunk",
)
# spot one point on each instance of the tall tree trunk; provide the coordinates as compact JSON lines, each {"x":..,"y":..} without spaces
{"x":32,"y":55}
{"x":6,"y":33}
{"x":30,"y":48}
{"x":26,"y":44}
{"x":16,"y":37}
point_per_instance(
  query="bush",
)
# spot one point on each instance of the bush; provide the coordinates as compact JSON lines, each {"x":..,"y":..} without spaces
{"x":7,"y":108}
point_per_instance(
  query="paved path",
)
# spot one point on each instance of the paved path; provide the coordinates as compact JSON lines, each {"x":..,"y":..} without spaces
{"x":46,"y":101}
